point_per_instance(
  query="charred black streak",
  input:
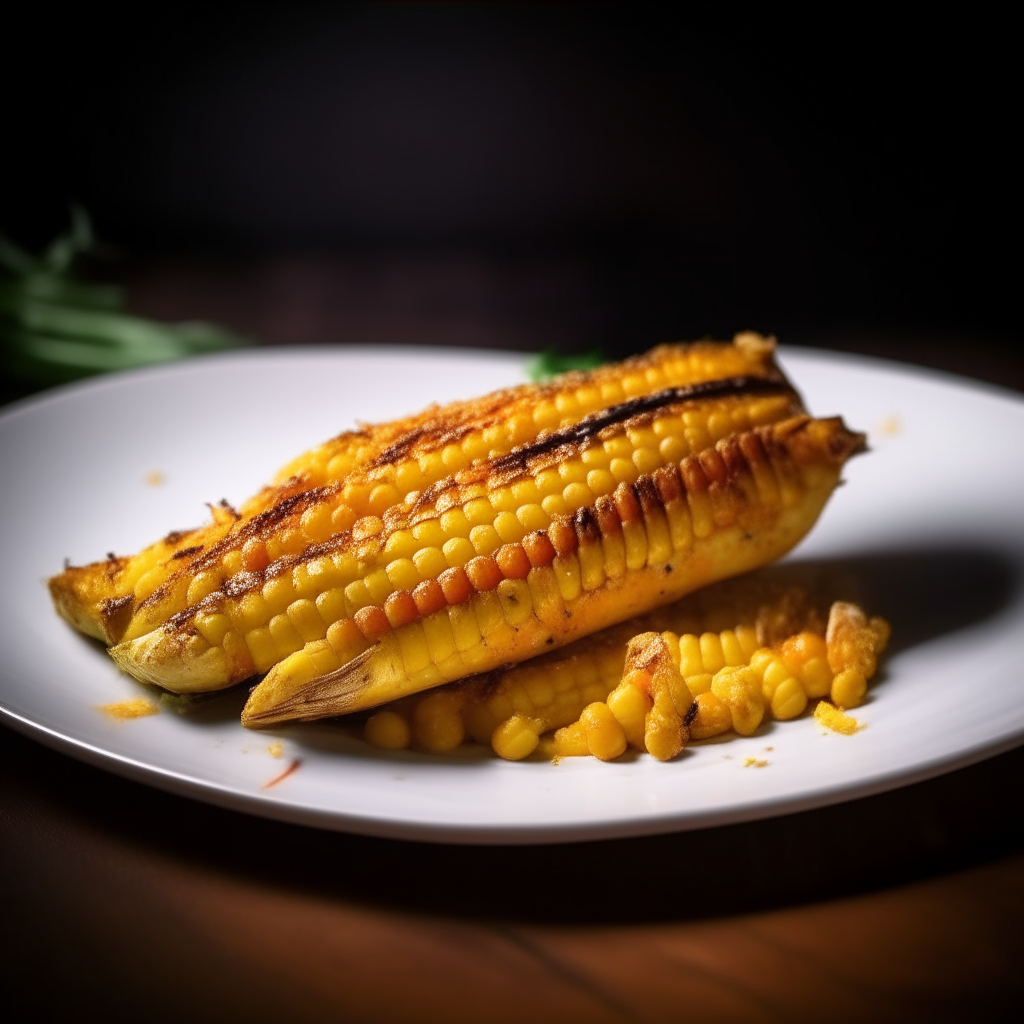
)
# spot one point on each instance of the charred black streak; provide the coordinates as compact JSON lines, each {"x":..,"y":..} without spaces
{"x":185,"y":552}
{"x":691,"y":713}
{"x":595,"y":422}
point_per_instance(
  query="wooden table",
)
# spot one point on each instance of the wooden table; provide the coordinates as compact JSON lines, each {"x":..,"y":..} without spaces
{"x":122,"y":899}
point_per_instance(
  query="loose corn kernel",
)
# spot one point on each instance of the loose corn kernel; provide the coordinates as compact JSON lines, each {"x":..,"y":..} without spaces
{"x":437,"y":723}
{"x":388,"y":730}
{"x":515,"y":738}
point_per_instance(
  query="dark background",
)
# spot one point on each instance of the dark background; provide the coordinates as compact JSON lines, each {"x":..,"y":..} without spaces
{"x":577,"y":176}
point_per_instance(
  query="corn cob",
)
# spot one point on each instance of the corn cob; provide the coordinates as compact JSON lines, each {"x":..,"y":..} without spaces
{"x":487,"y":557}
{"x":641,"y":685}
{"x":328,"y":490}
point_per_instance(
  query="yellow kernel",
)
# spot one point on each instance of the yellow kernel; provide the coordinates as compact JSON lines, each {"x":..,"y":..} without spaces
{"x":554,"y":505}
{"x":577,"y":495}
{"x":526,"y":492}
{"x":572,"y":472}
{"x":465,"y":630}
{"x":533,"y":518}
{"x":233,"y":559}
{"x":316,"y":523}
{"x":503,"y":500}
{"x":848,"y":688}
{"x":342,"y":519}
{"x":567,"y":574}
{"x":478,"y":512}
{"x":388,"y":730}
{"x":357,"y":495}
{"x":623,"y":469}
{"x":331,"y":604}
{"x":600,"y":481}
{"x":458,"y":551}
{"x":633,"y":385}
{"x":356,"y":597}
{"x":516,"y":602}
{"x":203,"y":584}
{"x":212,"y":626}
{"x":323,"y":657}
{"x":711,"y":652}
{"x":508,"y":528}
{"x":605,"y":737}
{"x":788,"y":700}
{"x":673,"y":449}
{"x":474,"y":446}
{"x":262,"y":649}
{"x":454,"y":458}
{"x":646,"y":460}
{"x":278,"y":592}
{"x":437,"y":724}
{"x":515,"y":738}
{"x":430,"y":562}
{"x":403,"y":574}
{"x":401,"y":544}
{"x":306,"y":620}
{"x":732,"y":652}
{"x":285,"y":635}
{"x":485,"y":539}
{"x":440,"y":639}
{"x":453,"y":523}
{"x":432,"y":467}
{"x":378,"y":586}
{"x":691,"y":661}
{"x":409,"y":477}
{"x":429,"y":533}
{"x":630,"y":705}
{"x":249,"y":612}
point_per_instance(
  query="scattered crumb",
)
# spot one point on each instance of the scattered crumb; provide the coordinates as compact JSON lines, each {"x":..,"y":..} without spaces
{"x":754,"y":762}
{"x":293,"y":767}
{"x":769,"y":748}
{"x":275,"y":749}
{"x":137,"y":707}
{"x":154,"y":478}
{"x":835,"y":719}
{"x":889,"y":427}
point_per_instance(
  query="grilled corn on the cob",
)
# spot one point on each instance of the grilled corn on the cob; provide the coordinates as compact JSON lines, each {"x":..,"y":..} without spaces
{"x":399,"y":557}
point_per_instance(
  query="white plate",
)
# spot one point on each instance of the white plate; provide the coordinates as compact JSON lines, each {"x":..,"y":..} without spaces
{"x":932,"y":520}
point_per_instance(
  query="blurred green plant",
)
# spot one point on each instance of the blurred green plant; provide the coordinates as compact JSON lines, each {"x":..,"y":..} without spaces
{"x":550,"y":363}
{"x":56,"y":327}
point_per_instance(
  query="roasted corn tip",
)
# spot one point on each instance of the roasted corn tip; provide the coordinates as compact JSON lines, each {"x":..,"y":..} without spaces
{"x":400,"y":557}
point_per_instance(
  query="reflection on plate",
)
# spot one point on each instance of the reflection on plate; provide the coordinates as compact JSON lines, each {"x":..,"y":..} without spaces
{"x":929,"y":525}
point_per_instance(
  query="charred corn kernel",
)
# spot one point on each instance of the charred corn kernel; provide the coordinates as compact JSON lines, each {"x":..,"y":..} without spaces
{"x":515,"y":738}
{"x":437,"y":723}
{"x":254,"y":553}
{"x":712,"y":718}
{"x":388,"y":730}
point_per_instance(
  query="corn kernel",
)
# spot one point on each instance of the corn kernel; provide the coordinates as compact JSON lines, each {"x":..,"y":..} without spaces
{"x":315,"y":523}
{"x":458,"y":551}
{"x":515,"y":738}
{"x":203,"y":584}
{"x":454,"y":524}
{"x":388,"y":730}
{"x":286,"y":637}
{"x":508,"y":527}
{"x":437,"y":724}
{"x":605,"y":737}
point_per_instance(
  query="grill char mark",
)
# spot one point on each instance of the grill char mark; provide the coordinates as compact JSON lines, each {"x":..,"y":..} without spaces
{"x":591,"y":425}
